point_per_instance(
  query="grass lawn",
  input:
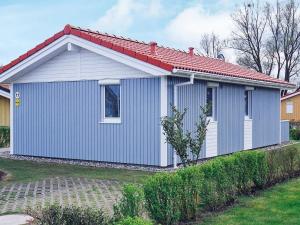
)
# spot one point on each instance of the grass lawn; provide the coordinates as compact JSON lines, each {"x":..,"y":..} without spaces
{"x":277,"y":205}
{"x":27,"y":171}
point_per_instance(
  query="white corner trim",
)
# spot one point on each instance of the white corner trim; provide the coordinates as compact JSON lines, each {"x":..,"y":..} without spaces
{"x":11,"y":118}
{"x":109,"y":81}
{"x":5,"y":94}
{"x":163,"y":113}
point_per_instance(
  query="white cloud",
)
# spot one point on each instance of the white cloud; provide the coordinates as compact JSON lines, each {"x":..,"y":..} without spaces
{"x":121,"y":16}
{"x":191,"y":23}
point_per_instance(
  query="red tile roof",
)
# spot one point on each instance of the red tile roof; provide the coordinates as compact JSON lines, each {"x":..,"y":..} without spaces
{"x":165,"y":58}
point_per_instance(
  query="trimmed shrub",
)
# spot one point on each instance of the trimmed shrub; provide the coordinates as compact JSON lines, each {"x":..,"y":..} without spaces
{"x":4,"y":136}
{"x":57,"y":215}
{"x":209,"y":186}
{"x":192,"y":180}
{"x":134,"y":221}
{"x":131,"y":204}
{"x":212,"y":185}
{"x":163,"y":197}
{"x":217,"y":185}
{"x":253,"y":170}
{"x":283,"y":163}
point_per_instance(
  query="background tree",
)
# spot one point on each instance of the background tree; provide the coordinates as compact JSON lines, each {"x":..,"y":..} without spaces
{"x":248,"y":38}
{"x":211,"y":45}
{"x":289,"y":31}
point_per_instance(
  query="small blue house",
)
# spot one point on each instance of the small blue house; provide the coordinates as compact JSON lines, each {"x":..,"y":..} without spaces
{"x":92,"y":96}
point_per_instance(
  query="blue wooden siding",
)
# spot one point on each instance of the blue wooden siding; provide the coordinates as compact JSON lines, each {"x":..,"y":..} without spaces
{"x":285,"y":130}
{"x":61,"y":120}
{"x":266,"y":117}
{"x":190,"y":97}
{"x":231,"y":114}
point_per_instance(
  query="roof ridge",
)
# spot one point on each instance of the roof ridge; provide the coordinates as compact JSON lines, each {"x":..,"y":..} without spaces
{"x":128,"y":39}
{"x":108,"y":35}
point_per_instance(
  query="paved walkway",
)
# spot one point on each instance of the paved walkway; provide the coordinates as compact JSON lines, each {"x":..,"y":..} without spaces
{"x":4,"y":150}
{"x":18,"y":219}
{"x":65,"y":191}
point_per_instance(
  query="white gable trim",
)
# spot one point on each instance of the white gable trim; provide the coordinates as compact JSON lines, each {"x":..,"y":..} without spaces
{"x":62,"y":44}
{"x":5,"y":94}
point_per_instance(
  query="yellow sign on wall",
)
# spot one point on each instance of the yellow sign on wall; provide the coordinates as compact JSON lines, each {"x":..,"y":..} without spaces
{"x":18,"y":101}
{"x":17,"y":96}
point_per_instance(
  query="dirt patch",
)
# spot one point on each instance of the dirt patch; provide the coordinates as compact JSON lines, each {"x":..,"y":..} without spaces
{"x":2,"y":175}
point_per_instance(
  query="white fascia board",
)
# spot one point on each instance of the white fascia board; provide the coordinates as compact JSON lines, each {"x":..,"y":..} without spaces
{"x":5,"y":94}
{"x":59,"y":43}
{"x":119,"y":57}
{"x":229,"y":79}
{"x":63,"y":43}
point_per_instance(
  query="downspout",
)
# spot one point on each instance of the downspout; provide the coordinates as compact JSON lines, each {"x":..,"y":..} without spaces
{"x":191,"y":81}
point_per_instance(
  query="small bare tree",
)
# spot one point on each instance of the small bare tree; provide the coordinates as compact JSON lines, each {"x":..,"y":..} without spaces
{"x":175,"y":135}
{"x":182,"y":141}
{"x":196,"y":143}
{"x":211,"y":45}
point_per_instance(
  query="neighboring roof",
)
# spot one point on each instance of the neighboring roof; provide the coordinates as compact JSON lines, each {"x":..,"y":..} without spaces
{"x":4,"y":91}
{"x":165,"y":58}
{"x":290,"y":95}
{"x":4,"y":87}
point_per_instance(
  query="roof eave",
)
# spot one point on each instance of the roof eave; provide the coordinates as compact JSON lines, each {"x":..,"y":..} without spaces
{"x":231,"y":79}
{"x":5,"y":94}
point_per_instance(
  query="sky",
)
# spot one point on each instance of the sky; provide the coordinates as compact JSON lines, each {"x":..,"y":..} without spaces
{"x":173,"y":23}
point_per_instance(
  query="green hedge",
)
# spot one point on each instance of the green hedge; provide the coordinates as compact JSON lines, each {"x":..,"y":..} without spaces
{"x":134,"y":221}
{"x":180,"y":196}
{"x":72,"y":215}
{"x":4,"y":136}
{"x":294,"y":133}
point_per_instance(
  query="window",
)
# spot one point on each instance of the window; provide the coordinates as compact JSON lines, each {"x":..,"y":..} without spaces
{"x":248,"y":104}
{"x":110,"y":101}
{"x":289,"y":107}
{"x":211,"y":99}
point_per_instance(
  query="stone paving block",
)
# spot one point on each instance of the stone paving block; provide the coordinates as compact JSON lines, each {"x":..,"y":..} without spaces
{"x":65,"y":191}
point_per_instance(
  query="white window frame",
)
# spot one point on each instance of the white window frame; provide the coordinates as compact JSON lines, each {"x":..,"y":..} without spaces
{"x":104,"y":119}
{"x":291,"y":109}
{"x":214,"y":109}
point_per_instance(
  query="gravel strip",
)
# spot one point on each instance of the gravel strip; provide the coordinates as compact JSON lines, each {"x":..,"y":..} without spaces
{"x":7,"y":155}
